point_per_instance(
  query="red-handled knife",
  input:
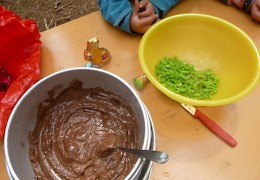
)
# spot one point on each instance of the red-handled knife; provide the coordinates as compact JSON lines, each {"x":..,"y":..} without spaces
{"x":216,"y":129}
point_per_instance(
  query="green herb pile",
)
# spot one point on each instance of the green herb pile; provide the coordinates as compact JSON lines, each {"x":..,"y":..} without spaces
{"x":184,"y":79}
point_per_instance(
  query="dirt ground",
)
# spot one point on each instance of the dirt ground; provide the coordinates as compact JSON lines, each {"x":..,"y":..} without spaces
{"x":50,"y":13}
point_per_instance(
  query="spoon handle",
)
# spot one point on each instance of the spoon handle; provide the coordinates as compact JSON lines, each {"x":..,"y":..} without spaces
{"x":156,"y":156}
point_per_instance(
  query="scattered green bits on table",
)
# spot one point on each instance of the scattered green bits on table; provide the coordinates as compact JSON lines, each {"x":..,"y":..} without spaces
{"x":184,"y":79}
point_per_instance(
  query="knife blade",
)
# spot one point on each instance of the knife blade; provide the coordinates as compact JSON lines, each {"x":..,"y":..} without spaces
{"x":210,"y":124}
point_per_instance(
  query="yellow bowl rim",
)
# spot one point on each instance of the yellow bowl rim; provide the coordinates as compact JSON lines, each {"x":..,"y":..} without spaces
{"x":183,"y":99}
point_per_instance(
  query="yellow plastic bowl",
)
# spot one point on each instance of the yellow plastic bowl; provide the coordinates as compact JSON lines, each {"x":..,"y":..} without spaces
{"x":207,"y":42}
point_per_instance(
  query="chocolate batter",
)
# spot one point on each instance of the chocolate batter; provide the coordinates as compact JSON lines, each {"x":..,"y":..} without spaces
{"x":74,"y":132}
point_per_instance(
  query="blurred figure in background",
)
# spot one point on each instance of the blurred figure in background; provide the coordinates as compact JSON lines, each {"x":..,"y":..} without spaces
{"x":136,"y":16}
{"x":250,"y":6}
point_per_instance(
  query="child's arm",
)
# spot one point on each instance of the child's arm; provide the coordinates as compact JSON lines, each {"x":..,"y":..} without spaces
{"x":117,"y":13}
{"x":121,"y":14}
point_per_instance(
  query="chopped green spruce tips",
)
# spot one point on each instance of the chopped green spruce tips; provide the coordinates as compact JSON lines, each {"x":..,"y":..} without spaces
{"x":184,"y":79}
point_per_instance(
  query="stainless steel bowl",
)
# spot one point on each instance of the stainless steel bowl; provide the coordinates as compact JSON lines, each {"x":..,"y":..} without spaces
{"x":23,"y":116}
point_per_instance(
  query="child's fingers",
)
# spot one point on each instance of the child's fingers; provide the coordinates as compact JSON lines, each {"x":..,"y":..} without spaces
{"x":149,"y":10}
{"x":255,"y":12}
{"x":136,"y":7}
{"x":148,"y":21}
{"x":143,"y":3}
{"x":146,"y":12}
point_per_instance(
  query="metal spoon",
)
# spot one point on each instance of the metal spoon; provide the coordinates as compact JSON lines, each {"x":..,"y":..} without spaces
{"x":155,"y":156}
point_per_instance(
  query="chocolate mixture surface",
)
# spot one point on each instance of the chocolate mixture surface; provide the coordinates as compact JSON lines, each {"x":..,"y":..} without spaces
{"x":74,"y":131}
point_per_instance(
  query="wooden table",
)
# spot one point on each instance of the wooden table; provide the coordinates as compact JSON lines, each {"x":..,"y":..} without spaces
{"x":195,"y":153}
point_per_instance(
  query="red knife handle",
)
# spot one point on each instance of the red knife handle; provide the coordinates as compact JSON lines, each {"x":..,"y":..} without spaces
{"x":215,"y":128}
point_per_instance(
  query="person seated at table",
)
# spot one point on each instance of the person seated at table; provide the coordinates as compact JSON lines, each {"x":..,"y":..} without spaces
{"x":134,"y":17}
{"x":138,"y":16}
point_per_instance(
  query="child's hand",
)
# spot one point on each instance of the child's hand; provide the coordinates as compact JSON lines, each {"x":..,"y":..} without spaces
{"x":147,"y":9}
{"x":255,"y":10}
{"x":141,"y":21}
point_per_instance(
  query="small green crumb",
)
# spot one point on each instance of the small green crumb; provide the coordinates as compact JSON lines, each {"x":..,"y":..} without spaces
{"x":184,"y":79}
{"x":138,"y":83}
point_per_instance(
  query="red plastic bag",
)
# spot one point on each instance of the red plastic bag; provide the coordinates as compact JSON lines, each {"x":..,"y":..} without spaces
{"x":20,"y":57}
